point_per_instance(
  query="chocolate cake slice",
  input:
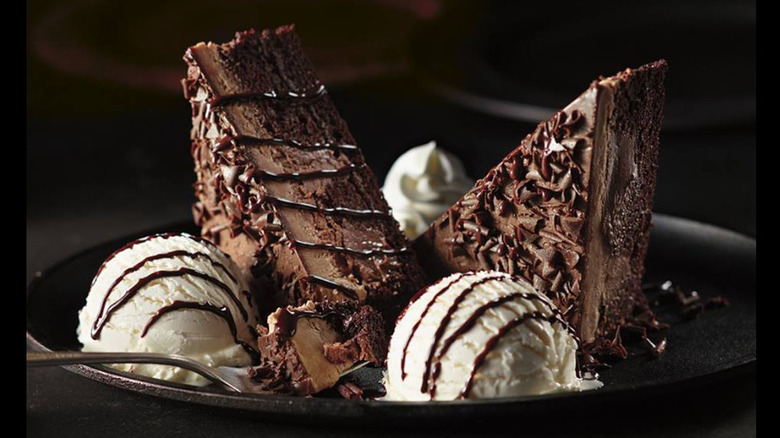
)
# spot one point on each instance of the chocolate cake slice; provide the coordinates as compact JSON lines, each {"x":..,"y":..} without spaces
{"x":282,"y":187}
{"x":569,"y":209}
{"x":306,"y":349}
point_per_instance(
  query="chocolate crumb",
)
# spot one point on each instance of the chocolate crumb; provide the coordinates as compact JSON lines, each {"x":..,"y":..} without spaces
{"x":692,"y":311}
{"x":657,"y":350}
{"x":715,"y":302}
{"x":350,"y":391}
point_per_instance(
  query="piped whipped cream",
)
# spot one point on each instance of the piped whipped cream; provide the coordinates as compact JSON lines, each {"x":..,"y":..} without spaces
{"x":422,"y":184}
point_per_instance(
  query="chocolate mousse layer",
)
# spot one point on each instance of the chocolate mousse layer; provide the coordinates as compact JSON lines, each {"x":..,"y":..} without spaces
{"x":306,"y":349}
{"x":569,"y":209}
{"x":282,"y":187}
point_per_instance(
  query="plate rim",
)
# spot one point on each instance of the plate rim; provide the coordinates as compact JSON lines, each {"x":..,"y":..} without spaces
{"x":279,"y":404}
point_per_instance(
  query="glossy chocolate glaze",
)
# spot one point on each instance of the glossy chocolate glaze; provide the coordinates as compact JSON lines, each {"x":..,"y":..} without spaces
{"x":288,"y":320}
{"x":247,"y":139}
{"x":316,"y":279}
{"x":357,"y":252}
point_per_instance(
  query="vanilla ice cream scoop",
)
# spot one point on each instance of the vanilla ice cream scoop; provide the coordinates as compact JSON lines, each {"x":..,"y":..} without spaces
{"x":422,"y":184}
{"x":481,"y":335}
{"x":170,"y":293}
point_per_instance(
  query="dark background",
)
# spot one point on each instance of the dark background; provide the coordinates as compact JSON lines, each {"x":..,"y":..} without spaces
{"x":108,"y":152}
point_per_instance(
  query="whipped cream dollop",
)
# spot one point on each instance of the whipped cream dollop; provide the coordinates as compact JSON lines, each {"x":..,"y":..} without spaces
{"x":422,"y":184}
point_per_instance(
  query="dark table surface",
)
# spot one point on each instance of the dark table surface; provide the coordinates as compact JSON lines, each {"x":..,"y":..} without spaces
{"x":114,"y":166}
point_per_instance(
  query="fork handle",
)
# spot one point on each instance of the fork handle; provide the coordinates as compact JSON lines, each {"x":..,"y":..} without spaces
{"x":35,"y":358}
{"x":38,"y":359}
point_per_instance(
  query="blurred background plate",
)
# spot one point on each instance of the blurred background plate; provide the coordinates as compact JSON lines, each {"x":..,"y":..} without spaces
{"x":526,"y":60}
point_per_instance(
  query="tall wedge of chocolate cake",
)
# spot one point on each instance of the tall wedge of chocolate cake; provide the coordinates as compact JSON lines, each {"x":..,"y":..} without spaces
{"x":569,"y":209}
{"x":282,"y":187}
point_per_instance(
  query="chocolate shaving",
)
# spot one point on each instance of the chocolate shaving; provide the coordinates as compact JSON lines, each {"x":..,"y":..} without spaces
{"x":656,"y":350}
{"x":350,"y":391}
{"x":716,"y":302}
{"x":644,"y":319}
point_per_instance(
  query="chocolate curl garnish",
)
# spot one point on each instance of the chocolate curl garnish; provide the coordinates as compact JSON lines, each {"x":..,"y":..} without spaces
{"x":587,"y":362}
{"x":572,"y":225}
{"x":270,"y":378}
{"x":617,"y":345}
{"x":716,"y":302}
{"x":647,"y":319}
{"x":350,"y":391}
{"x":692,"y":311}
{"x":656,"y":350}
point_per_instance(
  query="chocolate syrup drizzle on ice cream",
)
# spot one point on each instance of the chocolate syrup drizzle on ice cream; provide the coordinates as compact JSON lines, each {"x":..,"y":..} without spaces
{"x":249,"y":175}
{"x":430,"y":368}
{"x":106,"y":310}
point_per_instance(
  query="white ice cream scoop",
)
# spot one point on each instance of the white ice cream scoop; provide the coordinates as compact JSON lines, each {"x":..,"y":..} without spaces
{"x":481,"y":335}
{"x":174,"y":294}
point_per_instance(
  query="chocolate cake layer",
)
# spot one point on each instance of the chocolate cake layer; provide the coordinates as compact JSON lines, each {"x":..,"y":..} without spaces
{"x":282,"y":187}
{"x":569,"y":209}
{"x":306,"y":349}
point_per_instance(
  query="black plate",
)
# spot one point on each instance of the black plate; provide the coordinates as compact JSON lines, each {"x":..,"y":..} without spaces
{"x":699,"y":257}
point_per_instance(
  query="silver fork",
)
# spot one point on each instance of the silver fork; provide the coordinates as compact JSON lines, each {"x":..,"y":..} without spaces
{"x":233,"y":378}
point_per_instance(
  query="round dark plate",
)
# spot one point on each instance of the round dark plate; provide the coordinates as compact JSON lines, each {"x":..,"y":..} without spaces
{"x":700,"y":257}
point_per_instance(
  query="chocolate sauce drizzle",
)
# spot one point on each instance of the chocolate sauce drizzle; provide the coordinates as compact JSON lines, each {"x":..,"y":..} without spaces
{"x":292,"y":96}
{"x":287,"y":322}
{"x":446,"y":321}
{"x":287,"y":176}
{"x":145,"y":239}
{"x":472,"y":320}
{"x":221,"y":312}
{"x":357,"y":252}
{"x":491,"y":343}
{"x":316,"y":279}
{"x":235,"y":140}
{"x":422,"y":316}
{"x":105,"y":313}
{"x":167,"y":255}
{"x":431,"y":374}
{"x":331,"y":210}
{"x":254,"y":174}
